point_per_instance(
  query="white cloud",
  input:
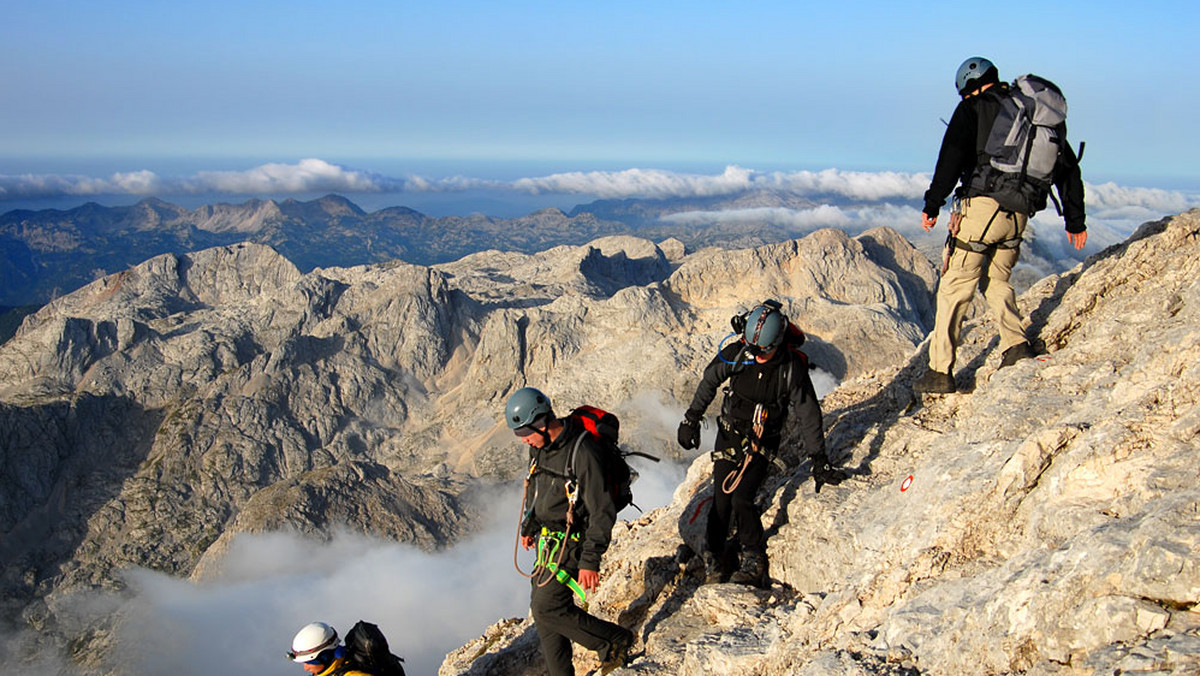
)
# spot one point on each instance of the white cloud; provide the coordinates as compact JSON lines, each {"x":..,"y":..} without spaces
{"x":855,"y":219}
{"x":1110,"y":197}
{"x":856,"y":185}
{"x":270,"y":585}
{"x":816,"y":217}
{"x":305,"y":176}
{"x":310,"y":175}
{"x":137,"y":182}
{"x":653,"y":183}
{"x":647,"y":183}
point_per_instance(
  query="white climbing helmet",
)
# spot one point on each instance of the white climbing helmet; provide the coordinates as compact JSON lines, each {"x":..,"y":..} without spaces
{"x":311,"y":641}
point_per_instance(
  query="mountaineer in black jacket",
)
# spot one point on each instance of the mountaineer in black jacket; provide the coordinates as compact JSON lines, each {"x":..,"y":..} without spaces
{"x":768,"y":382}
{"x":568,"y":516}
{"x":985,"y":237}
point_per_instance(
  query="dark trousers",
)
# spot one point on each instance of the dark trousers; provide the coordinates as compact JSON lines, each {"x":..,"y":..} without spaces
{"x":560,"y":622}
{"x":738,"y":507}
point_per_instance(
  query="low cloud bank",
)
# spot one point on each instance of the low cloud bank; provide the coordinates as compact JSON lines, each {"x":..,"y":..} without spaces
{"x":901,"y":217}
{"x":653,"y":183}
{"x":315,"y":175}
{"x":242,"y":619}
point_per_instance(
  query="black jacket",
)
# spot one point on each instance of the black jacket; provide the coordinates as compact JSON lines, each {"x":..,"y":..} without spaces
{"x":595,"y":513}
{"x":781,"y":385}
{"x":962,"y":151}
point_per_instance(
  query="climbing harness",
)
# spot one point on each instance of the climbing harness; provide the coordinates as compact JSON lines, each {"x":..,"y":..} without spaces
{"x":955,"y":223}
{"x":550,"y":550}
{"x":953,"y":243}
{"x":550,"y":544}
{"x":760,"y":420}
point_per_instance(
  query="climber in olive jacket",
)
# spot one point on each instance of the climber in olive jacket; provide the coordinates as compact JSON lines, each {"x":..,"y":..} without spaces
{"x":595,"y":514}
{"x":570,"y":538}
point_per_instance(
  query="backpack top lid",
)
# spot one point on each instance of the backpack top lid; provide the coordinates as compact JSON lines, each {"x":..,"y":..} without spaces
{"x":598,"y":422}
{"x":1049,"y":104}
{"x":367,"y":650}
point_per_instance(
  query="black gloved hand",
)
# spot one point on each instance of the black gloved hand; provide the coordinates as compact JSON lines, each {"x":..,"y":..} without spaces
{"x":688,"y":434}
{"x":824,"y":473}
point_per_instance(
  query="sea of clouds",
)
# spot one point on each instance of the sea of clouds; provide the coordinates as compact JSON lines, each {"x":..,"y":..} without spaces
{"x":241,"y":619}
{"x":846,"y":199}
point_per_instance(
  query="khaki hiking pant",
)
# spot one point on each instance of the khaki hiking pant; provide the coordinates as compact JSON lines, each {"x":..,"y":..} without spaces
{"x":982,"y":221}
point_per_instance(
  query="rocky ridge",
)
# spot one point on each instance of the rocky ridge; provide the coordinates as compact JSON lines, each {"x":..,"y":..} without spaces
{"x":1045,"y":520}
{"x":148,"y":418}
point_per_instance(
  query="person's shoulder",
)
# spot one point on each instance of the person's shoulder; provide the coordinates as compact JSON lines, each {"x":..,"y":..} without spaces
{"x":572,"y":426}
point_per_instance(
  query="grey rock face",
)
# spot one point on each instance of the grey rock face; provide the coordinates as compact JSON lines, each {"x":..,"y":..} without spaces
{"x":154,"y":414}
{"x":1045,"y":521}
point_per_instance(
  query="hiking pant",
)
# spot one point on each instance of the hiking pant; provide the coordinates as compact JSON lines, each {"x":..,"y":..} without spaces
{"x":982,"y":221}
{"x":560,"y":622}
{"x":738,"y":507}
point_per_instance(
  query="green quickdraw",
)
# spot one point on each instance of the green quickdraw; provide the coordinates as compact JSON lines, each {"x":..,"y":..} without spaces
{"x":549,"y":556}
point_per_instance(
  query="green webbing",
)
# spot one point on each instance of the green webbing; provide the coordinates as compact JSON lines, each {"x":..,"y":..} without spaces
{"x":547,"y":557}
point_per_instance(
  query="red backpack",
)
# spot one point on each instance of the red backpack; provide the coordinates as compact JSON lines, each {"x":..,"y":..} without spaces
{"x":605,"y":428}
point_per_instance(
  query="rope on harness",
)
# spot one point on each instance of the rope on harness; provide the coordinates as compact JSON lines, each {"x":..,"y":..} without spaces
{"x":521,"y":521}
{"x":572,"y":489}
{"x":547,"y":566}
{"x":760,"y":421}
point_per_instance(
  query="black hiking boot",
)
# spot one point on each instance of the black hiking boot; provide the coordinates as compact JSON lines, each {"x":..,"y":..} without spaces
{"x":1015,"y":354}
{"x":618,"y":653}
{"x":712,"y":568}
{"x":752,"y":571}
{"x":935,"y":382}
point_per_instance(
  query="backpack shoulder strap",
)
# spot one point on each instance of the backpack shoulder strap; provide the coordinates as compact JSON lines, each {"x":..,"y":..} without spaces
{"x":785,"y":382}
{"x":570,"y":466}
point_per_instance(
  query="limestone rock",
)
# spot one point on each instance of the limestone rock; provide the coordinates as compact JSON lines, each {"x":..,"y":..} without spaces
{"x":1043,"y":521}
{"x":153,"y":415}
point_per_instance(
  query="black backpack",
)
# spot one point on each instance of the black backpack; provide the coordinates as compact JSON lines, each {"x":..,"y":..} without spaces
{"x":367,"y":650}
{"x":605,"y":428}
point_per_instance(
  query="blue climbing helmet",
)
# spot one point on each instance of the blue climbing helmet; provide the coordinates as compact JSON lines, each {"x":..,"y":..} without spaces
{"x":527,"y":407}
{"x":766,"y":327}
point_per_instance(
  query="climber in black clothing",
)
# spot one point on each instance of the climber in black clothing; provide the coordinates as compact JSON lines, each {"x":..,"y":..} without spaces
{"x":768,"y":381}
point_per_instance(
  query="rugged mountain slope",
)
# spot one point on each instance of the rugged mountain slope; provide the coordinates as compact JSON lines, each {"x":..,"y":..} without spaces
{"x":48,"y":253}
{"x":155,"y":413}
{"x":1051,"y":524}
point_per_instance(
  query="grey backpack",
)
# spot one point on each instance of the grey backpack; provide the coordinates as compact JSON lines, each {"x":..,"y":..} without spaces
{"x":1023,"y":146}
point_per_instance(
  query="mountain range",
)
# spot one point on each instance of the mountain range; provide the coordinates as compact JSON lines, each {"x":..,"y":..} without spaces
{"x":153,"y":417}
{"x":48,"y":253}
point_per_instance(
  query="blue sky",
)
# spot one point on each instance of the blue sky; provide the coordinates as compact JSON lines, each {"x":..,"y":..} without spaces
{"x":527,"y":89}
